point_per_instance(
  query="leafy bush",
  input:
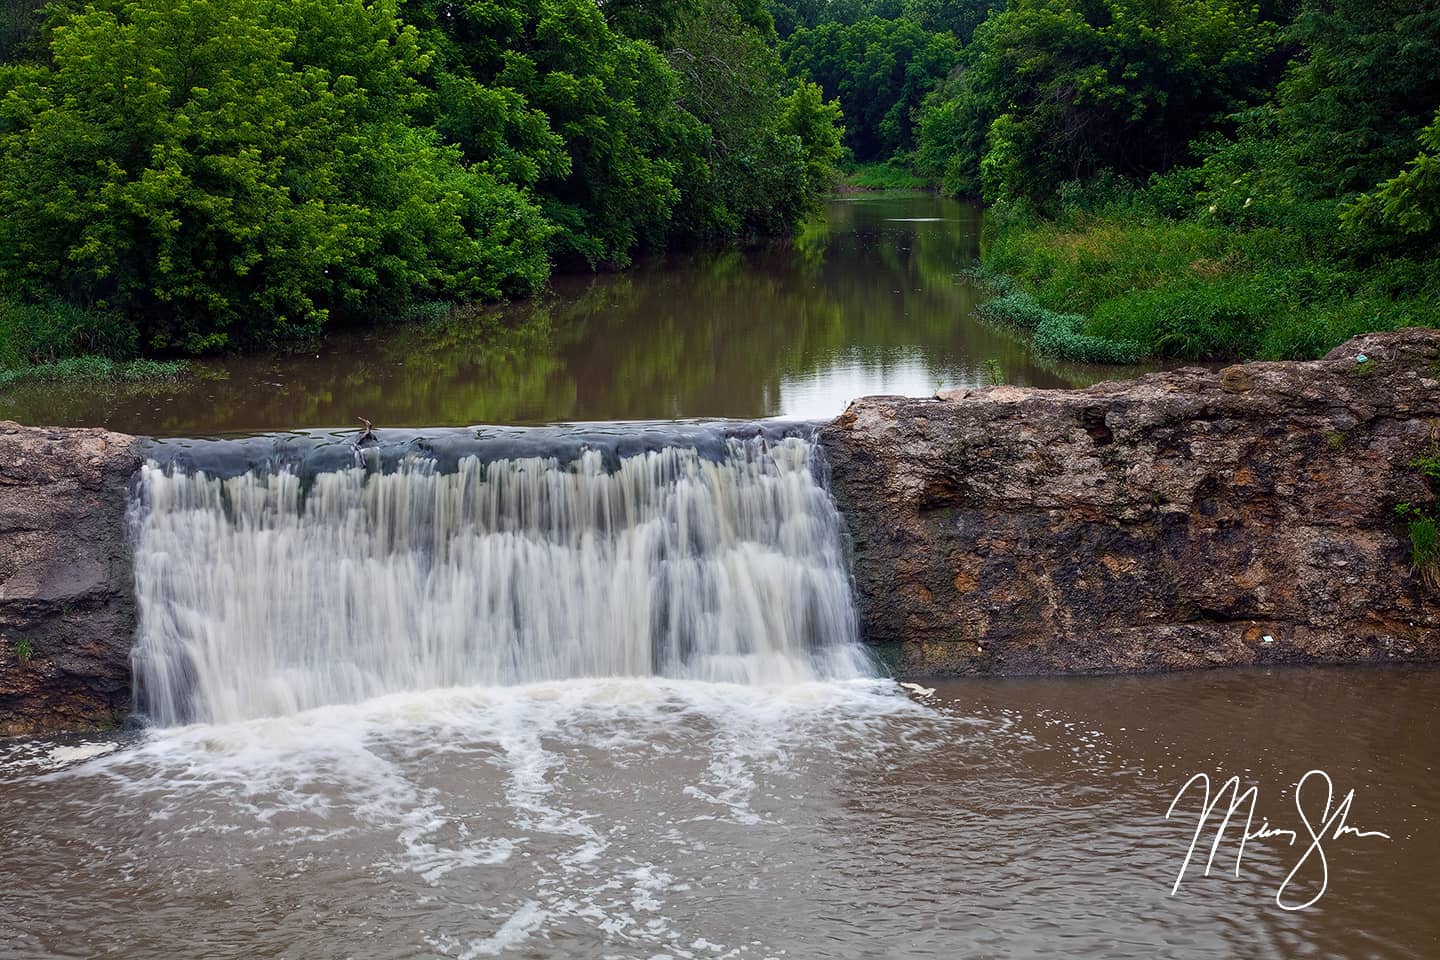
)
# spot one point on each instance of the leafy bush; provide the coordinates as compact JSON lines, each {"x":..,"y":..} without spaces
{"x":890,"y":175}
{"x":1058,"y":336}
{"x":44,"y":332}
{"x":1407,"y":204}
{"x":264,"y":175}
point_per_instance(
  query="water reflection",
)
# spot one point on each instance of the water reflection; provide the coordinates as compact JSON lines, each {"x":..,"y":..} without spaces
{"x":866,"y":300}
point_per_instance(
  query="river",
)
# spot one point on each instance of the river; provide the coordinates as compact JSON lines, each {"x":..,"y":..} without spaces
{"x":869,"y":299}
{"x":644,"y":818}
{"x":596,"y":689}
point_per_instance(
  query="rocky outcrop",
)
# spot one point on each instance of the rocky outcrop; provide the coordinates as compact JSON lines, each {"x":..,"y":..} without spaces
{"x":1184,"y":519}
{"x":67,"y":609}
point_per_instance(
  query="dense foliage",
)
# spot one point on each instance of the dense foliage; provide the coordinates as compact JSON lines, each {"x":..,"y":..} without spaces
{"x":1054,"y":91}
{"x":880,"y":69}
{"x":184,"y":175}
{"x":1196,"y":178}
{"x":1178,"y":178}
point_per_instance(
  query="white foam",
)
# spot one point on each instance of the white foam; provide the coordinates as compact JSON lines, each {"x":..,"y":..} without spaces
{"x":61,"y":756}
{"x":516,"y":929}
{"x":509,"y":788}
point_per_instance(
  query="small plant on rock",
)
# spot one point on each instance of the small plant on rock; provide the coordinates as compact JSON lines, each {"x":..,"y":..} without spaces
{"x":1422,"y":524}
{"x":1424,"y":542}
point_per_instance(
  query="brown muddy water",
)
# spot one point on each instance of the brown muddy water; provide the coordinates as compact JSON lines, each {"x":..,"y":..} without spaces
{"x":867,"y":300}
{"x":649,"y":818}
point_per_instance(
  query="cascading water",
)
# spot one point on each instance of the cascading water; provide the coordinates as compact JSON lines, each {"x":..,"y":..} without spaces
{"x":282,"y":588}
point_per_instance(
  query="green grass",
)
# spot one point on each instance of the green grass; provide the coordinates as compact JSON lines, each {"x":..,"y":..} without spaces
{"x":1429,"y":466}
{"x":1425,"y":549}
{"x":59,"y":342}
{"x":1056,"y":336}
{"x":95,"y":370}
{"x":888,"y":175}
{"x":39,"y":333}
{"x":1189,"y":290}
{"x":1422,"y":525}
{"x":23,"y":651}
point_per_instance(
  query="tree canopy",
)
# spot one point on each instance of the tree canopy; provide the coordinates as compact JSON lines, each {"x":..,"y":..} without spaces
{"x":207,"y":173}
{"x":881,"y":70}
{"x":187,"y":175}
{"x":1054,"y":91}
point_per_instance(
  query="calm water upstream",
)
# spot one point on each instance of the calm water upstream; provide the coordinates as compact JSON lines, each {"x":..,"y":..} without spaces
{"x":867,"y":301}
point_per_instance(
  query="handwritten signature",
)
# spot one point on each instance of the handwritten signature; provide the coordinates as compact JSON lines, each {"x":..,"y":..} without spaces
{"x":1332,"y":824}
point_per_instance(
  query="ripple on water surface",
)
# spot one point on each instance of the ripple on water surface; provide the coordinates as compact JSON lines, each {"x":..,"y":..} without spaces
{"x":639,"y":818}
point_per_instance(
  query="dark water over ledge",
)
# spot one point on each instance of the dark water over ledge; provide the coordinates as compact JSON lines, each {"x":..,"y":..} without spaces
{"x":626,"y":818}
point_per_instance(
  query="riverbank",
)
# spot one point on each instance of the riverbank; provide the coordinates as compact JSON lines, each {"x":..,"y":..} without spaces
{"x":1136,"y":286}
{"x":886,"y":175}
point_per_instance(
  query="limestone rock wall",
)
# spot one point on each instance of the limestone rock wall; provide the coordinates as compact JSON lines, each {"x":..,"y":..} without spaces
{"x":1184,"y":519}
{"x":67,"y":610}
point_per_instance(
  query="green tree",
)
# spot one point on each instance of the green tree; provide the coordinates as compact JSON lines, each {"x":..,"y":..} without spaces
{"x":881,"y":70}
{"x":20,"y":37}
{"x":550,"y":94}
{"x":819,"y":126}
{"x":958,"y":17}
{"x":1409,"y":202}
{"x":765,"y":156}
{"x":222,"y":171}
{"x":1055,"y":90}
{"x":1346,"y":116}
{"x":1365,"y":82}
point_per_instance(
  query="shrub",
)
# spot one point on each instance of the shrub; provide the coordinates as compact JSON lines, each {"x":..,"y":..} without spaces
{"x":1059,"y":336}
{"x":263,"y":176}
{"x":44,"y":332}
{"x":1189,"y":320}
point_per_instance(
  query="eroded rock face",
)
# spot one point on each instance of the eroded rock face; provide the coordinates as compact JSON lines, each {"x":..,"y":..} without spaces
{"x":1185,"y":519}
{"x":67,"y":609}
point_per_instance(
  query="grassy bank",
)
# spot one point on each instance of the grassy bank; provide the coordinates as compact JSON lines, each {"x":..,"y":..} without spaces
{"x":94,"y":369}
{"x":57,"y":342}
{"x":1121,"y":287}
{"x":889,"y":175}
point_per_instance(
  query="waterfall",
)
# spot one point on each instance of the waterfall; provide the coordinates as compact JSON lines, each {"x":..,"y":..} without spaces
{"x":271,"y":591}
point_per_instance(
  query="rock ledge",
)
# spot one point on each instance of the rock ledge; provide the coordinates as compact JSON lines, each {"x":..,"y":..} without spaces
{"x":67,"y":608}
{"x":1185,"y":519}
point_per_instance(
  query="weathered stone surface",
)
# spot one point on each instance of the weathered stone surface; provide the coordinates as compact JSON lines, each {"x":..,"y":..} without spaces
{"x":1173,"y":521}
{"x":67,"y":609}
